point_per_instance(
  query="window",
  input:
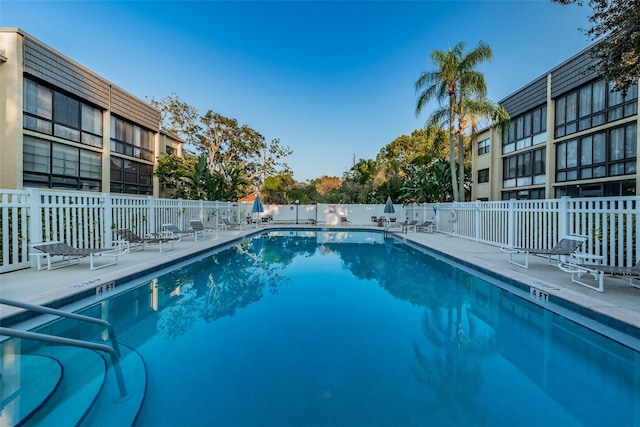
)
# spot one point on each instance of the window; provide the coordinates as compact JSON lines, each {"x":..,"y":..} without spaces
{"x":484,"y":146}
{"x":130,"y":139}
{"x":532,"y":194}
{"x":526,"y":130}
{"x":128,"y":176}
{"x":53,"y":165}
{"x":483,"y":175}
{"x":524,"y":169}
{"x":599,"y":155}
{"x":593,"y":105}
{"x":50,"y":112}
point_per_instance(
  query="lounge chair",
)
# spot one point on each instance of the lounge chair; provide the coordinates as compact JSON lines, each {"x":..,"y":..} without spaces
{"x":408,"y":225}
{"x":426,"y":226}
{"x":231,"y":225}
{"x":577,"y":269}
{"x":567,"y":246}
{"x":70,"y":255}
{"x":136,"y":242}
{"x":174,"y":231}
{"x":199,"y":228}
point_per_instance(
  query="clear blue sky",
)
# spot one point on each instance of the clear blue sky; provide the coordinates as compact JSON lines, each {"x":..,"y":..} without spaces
{"x":331,"y":79}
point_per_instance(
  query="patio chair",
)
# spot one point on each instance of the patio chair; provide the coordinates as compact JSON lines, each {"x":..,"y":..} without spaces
{"x":567,"y":246}
{"x":231,"y":225}
{"x":70,"y":255}
{"x":577,"y":269}
{"x":174,"y":231}
{"x":426,"y":226}
{"x":199,"y":228}
{"x":136,"y":242}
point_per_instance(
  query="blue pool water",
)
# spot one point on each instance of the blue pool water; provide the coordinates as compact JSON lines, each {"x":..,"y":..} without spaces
{"x":352,"y":329}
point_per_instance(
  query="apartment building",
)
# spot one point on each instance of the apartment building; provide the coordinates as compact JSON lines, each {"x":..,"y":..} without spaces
{"x":570,"y":135}
{"x":62,"y":126}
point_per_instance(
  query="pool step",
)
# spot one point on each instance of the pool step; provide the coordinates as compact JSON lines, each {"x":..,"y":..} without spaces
{"x":84,"y":373}
{"x":110,"y":409}
{"x":67,"y":386}
{"x":27,"y":382}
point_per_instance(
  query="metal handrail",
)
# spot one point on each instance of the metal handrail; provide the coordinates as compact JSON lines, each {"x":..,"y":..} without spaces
{"x":114,"y":350}
{"x":393,"y":225}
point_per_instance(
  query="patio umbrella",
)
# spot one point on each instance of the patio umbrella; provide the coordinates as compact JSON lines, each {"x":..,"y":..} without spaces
{"x":388,"y":207}
{"x":257,"y":208}
{"x":257,"y":205}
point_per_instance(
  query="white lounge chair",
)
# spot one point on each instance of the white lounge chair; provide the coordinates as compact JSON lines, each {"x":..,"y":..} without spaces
{"x":598,"y":271}
{"x":426,"y":226}
{"x":136,"y":242}
{"x":199,"y":228}
{"x":69,"y":255}
{"x":174,"y":231}
{"x":567,"y":246}
{"x":231,"y":225}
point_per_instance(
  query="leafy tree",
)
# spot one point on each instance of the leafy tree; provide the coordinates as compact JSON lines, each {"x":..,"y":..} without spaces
{"x":429,"y":183}
{"x":276,"y":189}
{"x":226,"y":144}
{"x":453,"y":79}
{"x":325,"y":184}
{"x":171,"y":169}
{"x":178,"y":118}
{"x":616,"y":24}
{"x":364,"y":171}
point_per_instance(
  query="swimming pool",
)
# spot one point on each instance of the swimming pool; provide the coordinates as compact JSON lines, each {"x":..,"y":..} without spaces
{"x":328,"y":328}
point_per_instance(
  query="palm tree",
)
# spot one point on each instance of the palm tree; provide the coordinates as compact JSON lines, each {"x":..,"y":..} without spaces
{"x":471,"y":110}
{"x":455,"y":77}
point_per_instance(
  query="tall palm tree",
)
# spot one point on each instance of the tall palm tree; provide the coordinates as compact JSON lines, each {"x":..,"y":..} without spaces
{"x":471,"y":110}
{"x":454,"y":76}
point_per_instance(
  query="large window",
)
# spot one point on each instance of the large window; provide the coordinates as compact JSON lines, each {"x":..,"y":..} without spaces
{"x":602,"y":154}
{"x":53,"y":165}
{"x":130,"y":139}
{"x":51,"y":112}
{"x":526,"y":130}
{"x":524,"y":169}
{"x":592,"y":105}
{"x":128,"y":176}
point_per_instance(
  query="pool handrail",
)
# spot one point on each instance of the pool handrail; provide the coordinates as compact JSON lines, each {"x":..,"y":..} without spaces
{"x":114,"y":350}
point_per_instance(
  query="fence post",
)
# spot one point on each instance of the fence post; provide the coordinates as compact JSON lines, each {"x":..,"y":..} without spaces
{"x":563,"y":217}
{"x":34,"y":215}
{"x":477,"y":220}
{"x":511,"y":223}
{"x":151,"y":215}
{"x":107,"y":219}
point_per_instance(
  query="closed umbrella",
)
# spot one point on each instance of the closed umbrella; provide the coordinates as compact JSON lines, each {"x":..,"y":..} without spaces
{"x":388,"y":207}
{"x":257,"y":207}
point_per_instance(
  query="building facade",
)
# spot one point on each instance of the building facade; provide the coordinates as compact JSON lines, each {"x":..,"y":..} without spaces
{"x":570,"y":135}
{"x":63,"y":126}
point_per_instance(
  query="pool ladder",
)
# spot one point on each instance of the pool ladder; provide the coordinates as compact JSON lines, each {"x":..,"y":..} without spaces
{"x":113,"y":351}
{"x":388,"y":228}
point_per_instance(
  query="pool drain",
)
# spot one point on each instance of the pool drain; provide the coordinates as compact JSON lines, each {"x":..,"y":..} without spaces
{"x":327,"y":393}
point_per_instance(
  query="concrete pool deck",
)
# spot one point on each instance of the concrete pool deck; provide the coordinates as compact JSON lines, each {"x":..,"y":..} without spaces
{"x":619,"y":301}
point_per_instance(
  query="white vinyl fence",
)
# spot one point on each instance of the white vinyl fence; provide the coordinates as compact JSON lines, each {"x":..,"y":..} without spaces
{"x":86,"y":220}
